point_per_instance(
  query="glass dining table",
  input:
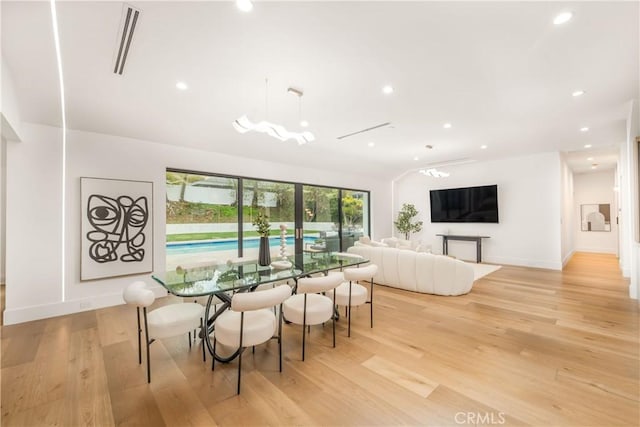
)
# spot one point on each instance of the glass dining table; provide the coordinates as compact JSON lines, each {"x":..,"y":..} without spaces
{"x":219,"y":282}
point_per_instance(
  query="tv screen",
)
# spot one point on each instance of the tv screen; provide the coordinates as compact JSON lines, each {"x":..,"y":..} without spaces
{"x":469,"y":204}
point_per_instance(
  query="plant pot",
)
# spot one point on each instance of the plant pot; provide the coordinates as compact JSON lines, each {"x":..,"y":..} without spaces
{"x":264,"y":255}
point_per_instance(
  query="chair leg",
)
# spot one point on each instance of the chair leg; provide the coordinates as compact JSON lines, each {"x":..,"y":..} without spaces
{"x":239,"y":368}
{"x":190,"y":340}
{"x":139,"y":337}
{"x":280,"y":338}
{"x":240,"y":350}
{"x":371,"y":302}
{"x":333,"y":316}
{"x":304,"y":324}
{"x":204,"y":356}
{"x":349,"y":309}
{"x":146,"y":336}
{"x":213,"y":358}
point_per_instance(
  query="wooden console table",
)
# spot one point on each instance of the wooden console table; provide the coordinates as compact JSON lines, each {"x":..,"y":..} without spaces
{"x":477,"y":239}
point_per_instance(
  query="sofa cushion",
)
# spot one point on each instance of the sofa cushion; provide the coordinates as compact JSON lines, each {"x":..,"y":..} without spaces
{"x":418,"y":271}
{"x":406,"y":267}
{"x":365,"y":240}
{"x":424,"y":273}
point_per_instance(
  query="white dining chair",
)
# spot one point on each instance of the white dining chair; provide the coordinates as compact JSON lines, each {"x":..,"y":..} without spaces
{"x":250,"y":322}
{"x":163,"y":322}
{"x":351,"y":294}
{"x":309,"y":307}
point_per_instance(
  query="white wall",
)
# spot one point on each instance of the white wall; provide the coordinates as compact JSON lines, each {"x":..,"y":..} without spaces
{"x":34,"y":219}
{"x":529,"y":198}
{"x":595,"y":188}
{"x":629,"y":209}
{"x":10,"y":130}
{"x":568,"y":215}
{"x":3,"y":205}
{"x":630,"y":187}
{"x":10,"y":113}
{"x":34,"y":269}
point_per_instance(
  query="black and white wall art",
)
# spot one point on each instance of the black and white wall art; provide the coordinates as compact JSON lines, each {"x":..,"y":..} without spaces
{"x":117,"y":227}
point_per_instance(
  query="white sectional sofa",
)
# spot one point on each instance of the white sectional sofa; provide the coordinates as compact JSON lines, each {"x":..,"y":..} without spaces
{"x":417,"y":271}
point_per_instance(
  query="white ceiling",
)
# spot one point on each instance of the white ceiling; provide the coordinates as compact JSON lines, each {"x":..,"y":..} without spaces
{"x":500,"y":72}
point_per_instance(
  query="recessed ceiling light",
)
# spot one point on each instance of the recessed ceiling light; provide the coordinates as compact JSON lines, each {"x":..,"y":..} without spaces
{"x":371,"y":144}
{"x":584,"y":129}
{"x":447,"y":125}
{"x":577,"y":93}
{"x":182,"y":86}
{"x":593,"y":166}
{"x":244,"y":5}
{"x":416,"y":158}
{"x":484,"y":147}
{"x":304,"y":123}
{"x":429,"y":147}
{"x":387,"y":89}
{"x":562,"y":18}
{"x":587,"y":146}
{"x":589,"y":158}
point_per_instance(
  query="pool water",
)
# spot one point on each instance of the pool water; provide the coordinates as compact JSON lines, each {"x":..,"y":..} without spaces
{"x":226,"y":245}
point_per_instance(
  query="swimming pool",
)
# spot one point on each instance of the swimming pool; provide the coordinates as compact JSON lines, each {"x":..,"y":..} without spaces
{"x":226,"y":245}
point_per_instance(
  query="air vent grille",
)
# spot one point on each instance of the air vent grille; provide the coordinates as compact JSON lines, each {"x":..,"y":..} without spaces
{"x":369,"y":129}
{"x":453,"y":162}
{"x":128,"y":25}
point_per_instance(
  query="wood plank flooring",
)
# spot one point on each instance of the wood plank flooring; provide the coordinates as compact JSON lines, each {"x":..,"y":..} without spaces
{"x":525,"y":347}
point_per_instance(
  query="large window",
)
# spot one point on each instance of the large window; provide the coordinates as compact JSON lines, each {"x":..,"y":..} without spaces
{"x":202,"y":218}
{"x":276,"y":200}
{"x":320,"y":221}
{"x":210,"y":217}
{"x":355,"y":216}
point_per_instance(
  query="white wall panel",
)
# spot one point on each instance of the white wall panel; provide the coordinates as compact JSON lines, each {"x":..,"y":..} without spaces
{"x":529,"y":198}
{"x":34,"y":220}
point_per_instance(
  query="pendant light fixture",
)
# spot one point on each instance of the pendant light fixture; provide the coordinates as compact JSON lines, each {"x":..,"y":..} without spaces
{"x":244,"y":125}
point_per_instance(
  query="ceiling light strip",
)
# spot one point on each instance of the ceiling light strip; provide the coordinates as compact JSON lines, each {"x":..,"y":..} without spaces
{"x":56,"y":39}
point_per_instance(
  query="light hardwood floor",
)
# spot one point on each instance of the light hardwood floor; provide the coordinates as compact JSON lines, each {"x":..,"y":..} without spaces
{"x":525,"y":347}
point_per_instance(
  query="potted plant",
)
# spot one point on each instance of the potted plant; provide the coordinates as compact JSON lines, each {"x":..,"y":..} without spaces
{"x":261,"y":222}
{"x":404,"y":222}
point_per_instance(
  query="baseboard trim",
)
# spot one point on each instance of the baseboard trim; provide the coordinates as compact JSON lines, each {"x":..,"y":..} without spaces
{"x":567,"y":258}
{"x":44,"y":311}
{"x":521,"y":262}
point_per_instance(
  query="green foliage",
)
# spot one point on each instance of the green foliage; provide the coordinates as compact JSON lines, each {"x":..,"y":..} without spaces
{"x":351,"y":211}
{"x":320,"y":204}
{"x":261,"y":222}
{"x":190,"y":212}
{"x":405,"y":216}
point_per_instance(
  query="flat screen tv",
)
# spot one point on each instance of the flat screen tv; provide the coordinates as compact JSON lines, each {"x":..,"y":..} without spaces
{"x":469,"y":204}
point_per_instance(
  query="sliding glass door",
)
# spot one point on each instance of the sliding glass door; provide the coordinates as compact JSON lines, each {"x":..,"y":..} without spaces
{"x":320,"y":219}
{"x":202,"y":218}
{"x":210,"y":217}
{"x":276,"y":201}
{"x":355,"y":216}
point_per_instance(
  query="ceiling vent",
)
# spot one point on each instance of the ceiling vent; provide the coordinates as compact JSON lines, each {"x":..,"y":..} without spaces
{"x":365,"y":130}
{"x":128,"y":23}
{"x":454,"y":162}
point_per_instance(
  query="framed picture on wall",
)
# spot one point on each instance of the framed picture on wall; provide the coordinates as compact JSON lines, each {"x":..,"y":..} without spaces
{"x":117,"y":228}
{"x":595,"y":217}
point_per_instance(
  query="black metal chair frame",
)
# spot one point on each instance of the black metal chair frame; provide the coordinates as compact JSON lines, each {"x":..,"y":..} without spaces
{"x":151,"y":341}
{"x":370,"y":302}
{"x":241,"y":348}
